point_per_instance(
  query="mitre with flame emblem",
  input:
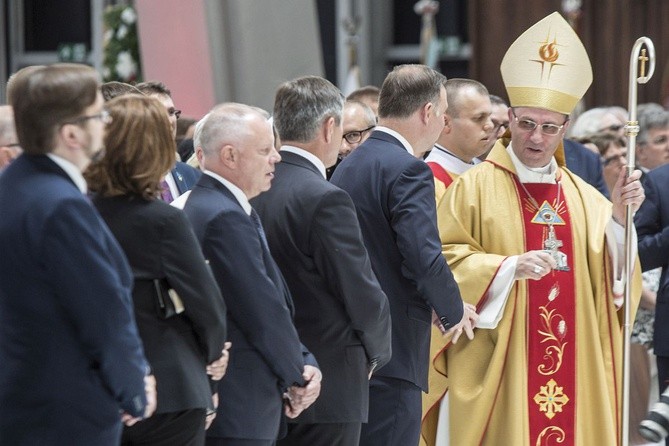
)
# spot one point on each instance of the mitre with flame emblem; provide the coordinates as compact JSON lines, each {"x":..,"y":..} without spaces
{"x":547,"y":67}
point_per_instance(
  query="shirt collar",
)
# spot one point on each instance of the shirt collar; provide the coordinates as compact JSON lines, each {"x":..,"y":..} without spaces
{"x":449,"y":161}
{"x":308,"y":155}
{"x":71,"y":170}
{"x":237,"y":192}
{"x":527,"y":174}
{"x":401,"y":138}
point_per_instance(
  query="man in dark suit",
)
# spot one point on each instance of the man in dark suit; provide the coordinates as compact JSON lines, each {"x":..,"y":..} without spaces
{"x":341,"y":313}
{"x":71,"y":357}
{"x":586,"y":164}
{"x":393,"y":192}
{"x":652,"y":225}
{"x":267,"y":360}
{"x":182,"y":177}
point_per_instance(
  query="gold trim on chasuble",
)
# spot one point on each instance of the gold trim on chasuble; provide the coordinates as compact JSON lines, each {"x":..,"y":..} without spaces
{"x":551,"y":374}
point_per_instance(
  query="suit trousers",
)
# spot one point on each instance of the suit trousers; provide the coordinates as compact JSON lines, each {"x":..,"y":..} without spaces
{"x":394,"y":413}
{"x":321,"y":434}
{"x":662,"y":379}
{"x":184,"y":428}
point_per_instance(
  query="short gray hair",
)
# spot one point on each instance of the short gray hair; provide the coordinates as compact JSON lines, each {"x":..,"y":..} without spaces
{"x":649,"y":120}
{"x":225,"y":123}
{"x":368,"y":113}
{"x":301,"y":105}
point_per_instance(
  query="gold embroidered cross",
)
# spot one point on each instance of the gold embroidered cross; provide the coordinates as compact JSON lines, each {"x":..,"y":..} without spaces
{"x":551,"y":399}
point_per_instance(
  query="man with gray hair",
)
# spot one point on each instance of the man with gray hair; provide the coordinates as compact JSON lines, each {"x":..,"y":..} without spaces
{"x":393,"y":192}
{"x":652,"y":142}
{"x":358,"y":120}
{"x":341,"y":313}
{"x":9,"y":145}
{"x":271,"y":371}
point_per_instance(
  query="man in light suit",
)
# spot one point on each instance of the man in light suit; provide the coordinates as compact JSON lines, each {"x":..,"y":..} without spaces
{"x":393,"y":192}
{"x":267,"y":360}
{"x":182,"y":177}
{"x":341,"y":313}
{"x":72,"y":361}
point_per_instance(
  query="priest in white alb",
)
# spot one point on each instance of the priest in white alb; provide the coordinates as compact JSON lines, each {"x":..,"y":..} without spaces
{"x":540,"y":254}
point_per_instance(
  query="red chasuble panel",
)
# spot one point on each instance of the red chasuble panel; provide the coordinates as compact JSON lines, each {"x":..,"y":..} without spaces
{"x":551,"y":319}
{"x":440,"y":173}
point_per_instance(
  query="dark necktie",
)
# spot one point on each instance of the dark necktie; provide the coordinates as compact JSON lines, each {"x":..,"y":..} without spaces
{"x":272,"y":268}
{"x":255,"y":218}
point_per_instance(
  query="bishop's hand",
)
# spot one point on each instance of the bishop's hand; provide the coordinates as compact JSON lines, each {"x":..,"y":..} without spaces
{"x":534,"y":265}
{"x":627,"y":191}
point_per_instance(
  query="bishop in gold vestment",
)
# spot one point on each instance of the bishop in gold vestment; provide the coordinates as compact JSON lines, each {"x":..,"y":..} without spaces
{"x":481,"y":225}
{"x":539,"y":253}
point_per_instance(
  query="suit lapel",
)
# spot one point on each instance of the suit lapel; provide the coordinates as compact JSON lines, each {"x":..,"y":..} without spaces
{"x":45,"y":164}
{"x":179,"y":181}
{"x":299,"y":161}
{"x":273,"y":271}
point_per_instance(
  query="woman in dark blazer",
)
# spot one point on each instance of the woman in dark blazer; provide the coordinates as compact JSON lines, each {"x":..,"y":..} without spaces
{"x":164,"y":254}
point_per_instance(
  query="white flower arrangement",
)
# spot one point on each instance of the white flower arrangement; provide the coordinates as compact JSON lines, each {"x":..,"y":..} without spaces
{"x":121,"y":49}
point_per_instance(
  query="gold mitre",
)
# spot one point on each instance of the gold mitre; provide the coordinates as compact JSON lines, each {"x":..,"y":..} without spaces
{"x":547,"y":67}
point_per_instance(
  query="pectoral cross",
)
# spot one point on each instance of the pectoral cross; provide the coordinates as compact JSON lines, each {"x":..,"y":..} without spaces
{"x":551,"y":245}
{"x":643,"y":59}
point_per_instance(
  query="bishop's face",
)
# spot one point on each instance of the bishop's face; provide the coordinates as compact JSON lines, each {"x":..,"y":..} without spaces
{"x":536,"y":134}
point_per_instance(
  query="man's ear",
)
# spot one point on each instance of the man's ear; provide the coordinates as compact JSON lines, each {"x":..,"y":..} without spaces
{"x":228,"y":156}
{"x":448,"y":123}
{"x":70,"y":135}
{"x":327,"y":129}
{"x":427,"y":112}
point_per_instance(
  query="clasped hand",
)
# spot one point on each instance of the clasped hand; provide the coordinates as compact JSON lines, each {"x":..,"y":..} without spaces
{"x":298,"y":398}
{"x":151,"y":402}
{"x":466,"y":324}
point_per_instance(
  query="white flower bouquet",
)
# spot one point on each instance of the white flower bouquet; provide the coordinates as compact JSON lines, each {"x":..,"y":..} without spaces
{"x":121,"y":47}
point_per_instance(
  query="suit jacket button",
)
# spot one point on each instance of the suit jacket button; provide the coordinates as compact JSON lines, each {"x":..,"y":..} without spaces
{"x":445,"y":322}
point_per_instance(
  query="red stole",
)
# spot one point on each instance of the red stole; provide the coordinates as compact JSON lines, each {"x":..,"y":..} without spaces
{"x":440,"y":173}
{"x":551,"y":324}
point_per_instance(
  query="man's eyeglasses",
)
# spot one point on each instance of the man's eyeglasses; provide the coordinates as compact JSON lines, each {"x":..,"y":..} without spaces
{"x":528,"y":125}
{"x":103,"y":116}
{"x":356,"y":135}
{"x":174,"y":112}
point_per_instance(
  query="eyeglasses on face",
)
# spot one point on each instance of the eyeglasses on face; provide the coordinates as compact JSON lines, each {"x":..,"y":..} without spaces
{"x":174,"y":112}
{"x":527,"y":125}
{"x":103,"y":116}
{"x":356,"y":135}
